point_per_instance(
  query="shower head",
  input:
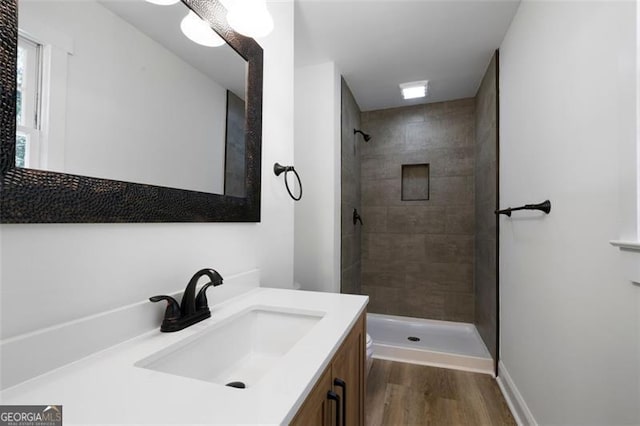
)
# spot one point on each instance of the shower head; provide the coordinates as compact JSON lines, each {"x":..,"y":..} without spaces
{"x":366,"y":137}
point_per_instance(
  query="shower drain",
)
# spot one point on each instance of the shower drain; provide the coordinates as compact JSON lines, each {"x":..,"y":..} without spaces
{"x":413,"y":338}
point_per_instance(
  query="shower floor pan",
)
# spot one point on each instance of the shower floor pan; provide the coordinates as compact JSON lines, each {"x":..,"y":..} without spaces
{"x":445,"y":344}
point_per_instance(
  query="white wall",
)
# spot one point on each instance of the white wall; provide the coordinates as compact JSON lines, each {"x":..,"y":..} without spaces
{"x":635,"y":264}
{"x":317,"y":155}
{"x":569,"y":318}
{"x":133,"y":108}
{"x":275,"y":244}
{"x":55,"y":273}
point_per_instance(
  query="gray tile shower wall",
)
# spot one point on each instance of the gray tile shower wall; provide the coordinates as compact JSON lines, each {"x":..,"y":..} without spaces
{"x":486,"y":203}
{"x":418,"y":256}
{"x":351,"y":193}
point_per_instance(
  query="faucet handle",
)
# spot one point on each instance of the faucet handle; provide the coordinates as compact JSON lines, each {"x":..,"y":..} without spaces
{"x":173,"y":308}
{"x":201,"y":298}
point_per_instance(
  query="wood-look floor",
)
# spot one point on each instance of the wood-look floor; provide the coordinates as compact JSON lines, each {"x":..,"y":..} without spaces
{"x":407,"y":394}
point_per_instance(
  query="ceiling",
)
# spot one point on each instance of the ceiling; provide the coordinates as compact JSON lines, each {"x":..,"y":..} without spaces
{"x":222,"y":64}
{"x":377,"y":45}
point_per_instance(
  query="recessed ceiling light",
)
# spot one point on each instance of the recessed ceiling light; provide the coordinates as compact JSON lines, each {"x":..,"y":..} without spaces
{"x":415,"y":89}
{"x":199,"y":31}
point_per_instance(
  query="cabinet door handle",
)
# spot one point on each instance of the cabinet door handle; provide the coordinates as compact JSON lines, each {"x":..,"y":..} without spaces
{"x":334,"y":397}
{"x":343,"y":385}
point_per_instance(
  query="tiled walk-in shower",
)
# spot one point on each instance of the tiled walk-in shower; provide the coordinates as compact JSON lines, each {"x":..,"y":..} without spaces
{"x":425,"y":187}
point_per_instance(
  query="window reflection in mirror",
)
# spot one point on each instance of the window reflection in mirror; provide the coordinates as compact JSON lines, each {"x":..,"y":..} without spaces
{"x":113,"y":89}
{"x":29,"y":70}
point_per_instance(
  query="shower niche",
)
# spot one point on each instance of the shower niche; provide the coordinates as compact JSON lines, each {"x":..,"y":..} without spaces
{"x":415,"y":182}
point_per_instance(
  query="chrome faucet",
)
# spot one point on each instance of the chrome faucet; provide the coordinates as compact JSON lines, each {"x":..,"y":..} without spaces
{"x":193,"y":308}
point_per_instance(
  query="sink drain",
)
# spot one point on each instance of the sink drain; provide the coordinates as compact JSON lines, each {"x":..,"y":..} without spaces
{"x":238,"y":385}
{"x":413,"y":338}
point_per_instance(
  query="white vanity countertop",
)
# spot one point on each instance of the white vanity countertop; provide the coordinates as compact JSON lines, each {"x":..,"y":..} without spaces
{"x":107,"y":388}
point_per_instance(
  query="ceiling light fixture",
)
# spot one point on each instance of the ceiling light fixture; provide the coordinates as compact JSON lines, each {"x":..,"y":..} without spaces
{"x":415,"y":89}
{"x":250,"y":18}
{"x":163,"y":2}
{"x":199,"y":31}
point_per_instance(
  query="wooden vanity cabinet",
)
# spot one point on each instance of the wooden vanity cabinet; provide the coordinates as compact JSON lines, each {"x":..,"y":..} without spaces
{"x":340,"y":389}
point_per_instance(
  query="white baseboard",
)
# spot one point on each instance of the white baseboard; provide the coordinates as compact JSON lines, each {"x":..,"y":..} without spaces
{"x":32,"y":354}
{"x":514,"y":399}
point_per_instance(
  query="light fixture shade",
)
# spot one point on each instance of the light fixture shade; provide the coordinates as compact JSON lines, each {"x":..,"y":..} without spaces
{"x":250,"y":18}
{"x":199,"y":31}
{"x":163,"y":2}
{"x":415,"y":89}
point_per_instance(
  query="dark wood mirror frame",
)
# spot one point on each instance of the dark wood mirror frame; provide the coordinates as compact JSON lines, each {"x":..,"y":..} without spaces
{"x":38,"y":196}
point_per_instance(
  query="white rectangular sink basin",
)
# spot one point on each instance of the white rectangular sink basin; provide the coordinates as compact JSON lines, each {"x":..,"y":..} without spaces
{"x":242,"y":348}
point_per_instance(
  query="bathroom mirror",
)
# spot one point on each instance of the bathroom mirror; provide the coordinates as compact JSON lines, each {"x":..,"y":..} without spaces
{"x":137,"y":123}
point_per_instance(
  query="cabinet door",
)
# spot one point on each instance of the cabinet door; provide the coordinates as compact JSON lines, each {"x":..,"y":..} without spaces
{"x":317,"y":408}
{"x":348,"y":368}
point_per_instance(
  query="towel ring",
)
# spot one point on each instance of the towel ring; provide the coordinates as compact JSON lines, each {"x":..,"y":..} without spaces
{"x":278,"y":169}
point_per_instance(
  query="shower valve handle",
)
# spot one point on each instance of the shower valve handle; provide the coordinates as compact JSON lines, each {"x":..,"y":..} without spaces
{"x":356,"y":217}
